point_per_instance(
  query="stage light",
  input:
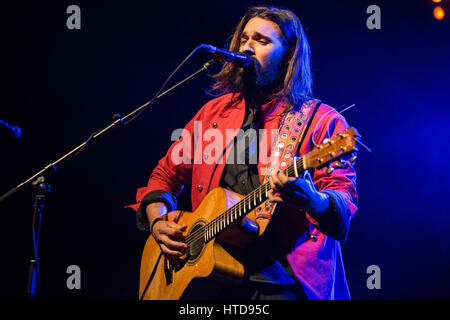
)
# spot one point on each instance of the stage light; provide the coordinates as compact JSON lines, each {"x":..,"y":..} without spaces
{"x":436,"y":1}
{"x":439,"y":13}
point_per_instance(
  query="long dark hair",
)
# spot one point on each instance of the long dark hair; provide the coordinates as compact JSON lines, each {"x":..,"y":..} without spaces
{"x":297,"y":82}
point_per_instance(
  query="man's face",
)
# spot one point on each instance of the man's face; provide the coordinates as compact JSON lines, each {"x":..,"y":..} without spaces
{"x":263,"y":42}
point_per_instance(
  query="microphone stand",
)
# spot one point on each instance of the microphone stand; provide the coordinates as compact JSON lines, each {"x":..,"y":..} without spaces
{"x":41,"y":188}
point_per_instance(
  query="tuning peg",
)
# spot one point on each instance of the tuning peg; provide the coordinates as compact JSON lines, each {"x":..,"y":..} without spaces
{"x":340,"y":164}
{"x":353,"y":158}
{"x":330,"y":168}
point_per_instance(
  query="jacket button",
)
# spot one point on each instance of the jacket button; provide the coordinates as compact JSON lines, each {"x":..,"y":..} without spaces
{"x":313,"y":237}
{"x":199,"y":188}
{"x":214,"y":125}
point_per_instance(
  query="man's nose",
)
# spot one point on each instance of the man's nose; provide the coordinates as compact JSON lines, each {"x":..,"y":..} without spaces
{"x":247,"y":49}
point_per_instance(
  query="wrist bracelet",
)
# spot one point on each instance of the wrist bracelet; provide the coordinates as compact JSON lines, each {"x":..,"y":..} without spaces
{"x":155,"y":221}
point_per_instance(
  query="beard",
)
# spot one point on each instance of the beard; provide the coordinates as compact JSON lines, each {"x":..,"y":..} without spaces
{"x":258,"y":81}
{"x":261,"y":77}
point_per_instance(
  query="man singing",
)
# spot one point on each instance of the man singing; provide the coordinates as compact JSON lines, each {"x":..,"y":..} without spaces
{"x":301,"y":256}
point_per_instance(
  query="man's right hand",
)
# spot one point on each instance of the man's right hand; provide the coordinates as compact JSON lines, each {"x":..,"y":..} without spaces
{"x":167,"y":234}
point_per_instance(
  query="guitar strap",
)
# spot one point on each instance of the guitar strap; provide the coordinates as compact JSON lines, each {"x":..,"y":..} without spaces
{"x":290,"y":136}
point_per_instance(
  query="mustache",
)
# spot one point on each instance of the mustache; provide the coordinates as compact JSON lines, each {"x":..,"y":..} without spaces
{"x":252,"y":77}
{"x":253,"y":67}
{"x":251,"y":72}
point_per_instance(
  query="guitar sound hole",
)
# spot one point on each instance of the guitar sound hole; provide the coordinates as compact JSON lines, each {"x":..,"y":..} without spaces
{"x":198,"y":243}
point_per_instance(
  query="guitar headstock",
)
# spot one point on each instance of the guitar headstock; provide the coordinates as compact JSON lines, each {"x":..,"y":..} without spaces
{"x":331,"y":149}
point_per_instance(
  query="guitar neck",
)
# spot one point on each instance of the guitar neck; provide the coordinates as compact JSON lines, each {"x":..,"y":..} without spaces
{"x":249,"y":203}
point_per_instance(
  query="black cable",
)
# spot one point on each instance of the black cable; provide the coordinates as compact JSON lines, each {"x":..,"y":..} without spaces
{"x":143,"y":107}
{"x":164,"y":85}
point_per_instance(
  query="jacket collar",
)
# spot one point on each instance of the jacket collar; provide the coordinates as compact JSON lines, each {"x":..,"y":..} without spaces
{"x":273,"y":109}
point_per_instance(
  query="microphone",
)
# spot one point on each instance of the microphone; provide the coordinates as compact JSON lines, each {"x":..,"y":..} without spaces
{"x":13,"y":131}
{"x":240,"y":59}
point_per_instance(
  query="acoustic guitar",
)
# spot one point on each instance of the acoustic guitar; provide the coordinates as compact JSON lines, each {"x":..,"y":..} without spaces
{"x":214,"y":237}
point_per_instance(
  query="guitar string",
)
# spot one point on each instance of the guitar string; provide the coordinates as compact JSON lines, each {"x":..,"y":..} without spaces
{"x":240,"y":206}
{"x":216,"y":223}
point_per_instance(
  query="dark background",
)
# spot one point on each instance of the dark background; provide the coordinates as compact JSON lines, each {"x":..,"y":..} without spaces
{"x":60,"y":85}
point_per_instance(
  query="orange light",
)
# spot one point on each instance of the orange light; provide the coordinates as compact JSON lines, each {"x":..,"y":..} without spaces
{"x":439,"y":13}
{"x":437,"y":1}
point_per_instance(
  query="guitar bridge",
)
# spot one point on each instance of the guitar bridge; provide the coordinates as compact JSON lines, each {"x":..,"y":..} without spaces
{"x":169,"y":268}
{"x":168,"y":271}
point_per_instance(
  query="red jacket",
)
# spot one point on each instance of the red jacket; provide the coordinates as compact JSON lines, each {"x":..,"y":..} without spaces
{"x":316,"y":258}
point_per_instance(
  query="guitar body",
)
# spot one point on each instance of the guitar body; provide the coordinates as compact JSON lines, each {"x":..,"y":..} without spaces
{"x":208,"y":264}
